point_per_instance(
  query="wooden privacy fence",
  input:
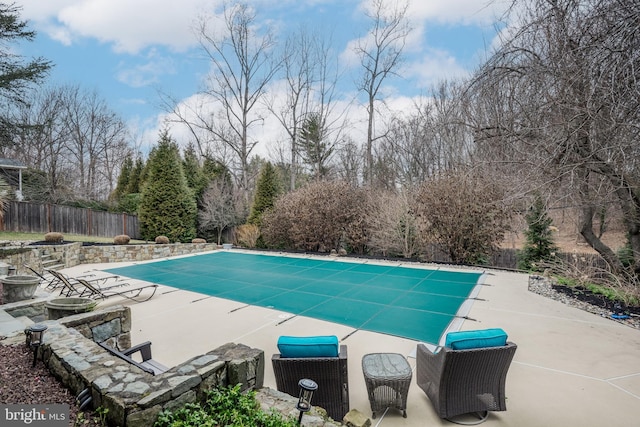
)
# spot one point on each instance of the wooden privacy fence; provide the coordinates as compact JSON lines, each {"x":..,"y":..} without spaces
{"x":27,"y":217}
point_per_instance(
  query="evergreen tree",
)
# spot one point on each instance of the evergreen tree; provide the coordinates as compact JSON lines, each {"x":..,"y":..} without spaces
{"x":168,"y":206}
{"x":135,"y":178}
{"x":212,"y":169}
{"x":539,"y":245}
{"x":315,"y":150}
{"x":267,"y":191}
{"x":15,"y":75}
{"x":196,"y":179}
{"x":123,"y":180}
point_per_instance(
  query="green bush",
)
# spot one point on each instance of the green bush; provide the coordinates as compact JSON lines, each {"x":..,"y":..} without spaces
{"x":224,"y":407}
{"x":539,"y":245}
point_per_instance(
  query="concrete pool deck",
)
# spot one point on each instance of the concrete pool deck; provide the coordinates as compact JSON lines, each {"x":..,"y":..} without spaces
{"x":572,"y":368}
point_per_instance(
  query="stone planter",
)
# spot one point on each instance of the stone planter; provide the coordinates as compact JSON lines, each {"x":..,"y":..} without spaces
{"x":227,"y":246}
{"x":18,"y":288}
{"x":58,"y":308}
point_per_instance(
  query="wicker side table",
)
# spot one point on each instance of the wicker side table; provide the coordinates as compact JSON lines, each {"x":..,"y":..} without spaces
{"x":387,"y":376}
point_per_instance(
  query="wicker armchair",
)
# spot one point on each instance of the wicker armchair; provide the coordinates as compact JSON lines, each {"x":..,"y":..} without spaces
{"x":330,"y":373}
{"x":464,"y":381}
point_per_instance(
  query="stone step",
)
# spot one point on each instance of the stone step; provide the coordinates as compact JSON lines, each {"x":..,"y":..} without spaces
{"x":25,"y":321}
{"x":48,"y":260}
{"x":9,"y":325}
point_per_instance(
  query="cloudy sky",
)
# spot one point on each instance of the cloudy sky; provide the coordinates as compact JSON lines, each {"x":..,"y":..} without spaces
{"x":129,"y":50}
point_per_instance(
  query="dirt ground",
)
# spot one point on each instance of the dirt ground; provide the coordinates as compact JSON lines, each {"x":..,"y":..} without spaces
{"x":566,"y":235}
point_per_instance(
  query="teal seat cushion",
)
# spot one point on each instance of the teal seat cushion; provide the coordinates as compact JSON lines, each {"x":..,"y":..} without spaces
{"x":316,"y":346}
{"x":465,"y":340}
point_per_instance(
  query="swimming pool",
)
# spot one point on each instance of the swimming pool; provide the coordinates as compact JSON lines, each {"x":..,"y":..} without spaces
{"x":409,"y":301}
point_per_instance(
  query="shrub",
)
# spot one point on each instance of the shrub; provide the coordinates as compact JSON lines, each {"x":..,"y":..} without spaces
{"x":321,"y":216}
{"x":224,"y":407}
{"x":162,"y":240}
{"x":121,"y":239}
{"x":54,"y":237}
{"x":539,"y":244}
{"x":198,"y":240}
{"x":248,"y":235}
{"x":394,"y":226}
{"x":464,"y":213}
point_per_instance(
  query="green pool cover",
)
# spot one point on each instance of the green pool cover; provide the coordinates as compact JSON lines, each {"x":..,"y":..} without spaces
{"x":415,"y":303}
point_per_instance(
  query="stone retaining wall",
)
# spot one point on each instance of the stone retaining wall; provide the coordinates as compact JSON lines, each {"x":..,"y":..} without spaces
{"x":134,"y":398}
{"x":72,"y":254}
{"x":120,"y":253}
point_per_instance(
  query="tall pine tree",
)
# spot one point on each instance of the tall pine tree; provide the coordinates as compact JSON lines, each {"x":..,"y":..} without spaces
{"x":123,"y":179}
{"x":168,"y":206}
{"x":539,"y":245}
{"x":267,"y":190}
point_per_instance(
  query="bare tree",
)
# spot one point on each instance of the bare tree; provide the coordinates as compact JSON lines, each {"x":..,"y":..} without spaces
{"x":94,"y":130}
{"x":242,"y":67}
{"x":564,"y":98}
{"x":431,"y":139}
{"x":380,"y":54}
{"x":349,"y":163}
{"x":40,"y":144}
{"x":298,"y":68}
{"x":217,"y":210}
{"x":311,"y":75}
{"x":74,"y":139}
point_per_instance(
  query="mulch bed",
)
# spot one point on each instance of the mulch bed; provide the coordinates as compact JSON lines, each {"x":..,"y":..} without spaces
{"x":598,"y":300}
{"x":22,"y":384}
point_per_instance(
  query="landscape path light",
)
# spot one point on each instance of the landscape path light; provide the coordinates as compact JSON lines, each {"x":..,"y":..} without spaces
{"x":36,"y":333}
{"x":307,"y":388}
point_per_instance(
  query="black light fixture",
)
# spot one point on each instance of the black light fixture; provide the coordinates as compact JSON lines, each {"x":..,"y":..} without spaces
{"x":36,"y":333}
{"x":307,"y":387}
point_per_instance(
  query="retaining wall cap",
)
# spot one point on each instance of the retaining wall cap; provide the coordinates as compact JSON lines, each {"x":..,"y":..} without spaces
{"x":155,"y":397}
{"x":137,"y":387}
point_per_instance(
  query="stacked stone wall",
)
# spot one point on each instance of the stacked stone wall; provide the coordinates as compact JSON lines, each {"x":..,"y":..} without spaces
{"x":133,"y":397}
{"x":120,"y":253}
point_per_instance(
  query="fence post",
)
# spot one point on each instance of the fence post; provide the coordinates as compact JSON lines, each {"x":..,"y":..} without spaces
{"x":49,"y":218}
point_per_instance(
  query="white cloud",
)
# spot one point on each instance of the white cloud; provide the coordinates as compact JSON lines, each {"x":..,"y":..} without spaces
{"x":435,"y":66}
{"x":147,"y":73}
{"x":467,"y":12}
{"x":129,"y":26}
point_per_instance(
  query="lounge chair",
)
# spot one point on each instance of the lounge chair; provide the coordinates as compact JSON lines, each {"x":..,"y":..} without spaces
{"x":133,"y":294}
{"x":78,"y":287}
{"x":327,"y":369}
{"x":71,"y":286}
{"x":467,"y":380}
{"x":47,"y":280}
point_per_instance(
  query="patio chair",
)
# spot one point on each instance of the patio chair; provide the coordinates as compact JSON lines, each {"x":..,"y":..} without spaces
{"x":319,"y":359}
{"x":71,"y":286}
{"x":47,"y":280}
{"x":129,"y":293}
{"x":466,"y":376}
{"x":78,"y":287}
{"x":148,"y":365}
